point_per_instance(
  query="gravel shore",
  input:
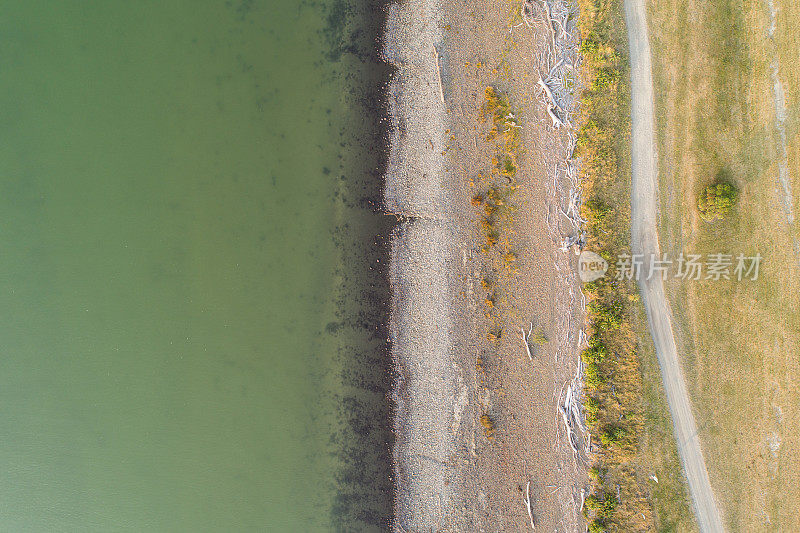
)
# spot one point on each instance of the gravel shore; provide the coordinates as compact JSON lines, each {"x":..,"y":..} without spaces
{"x":424,"y":254}
{"x":448,"y":475}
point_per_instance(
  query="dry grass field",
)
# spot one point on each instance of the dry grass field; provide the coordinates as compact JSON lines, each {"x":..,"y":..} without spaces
{"x":727,"y":96}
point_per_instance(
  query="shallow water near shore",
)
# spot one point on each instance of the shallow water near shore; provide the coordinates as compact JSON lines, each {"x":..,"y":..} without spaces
{"x":193,"y":297}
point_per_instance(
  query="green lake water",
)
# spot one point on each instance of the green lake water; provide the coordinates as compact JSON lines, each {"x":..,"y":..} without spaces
{"x":190,"y":329}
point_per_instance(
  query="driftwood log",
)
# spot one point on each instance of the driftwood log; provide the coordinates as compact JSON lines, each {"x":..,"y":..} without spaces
{"x":527,"y":501}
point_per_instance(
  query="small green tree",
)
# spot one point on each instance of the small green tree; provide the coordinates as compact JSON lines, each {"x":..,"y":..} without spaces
{"x":716,"y":201}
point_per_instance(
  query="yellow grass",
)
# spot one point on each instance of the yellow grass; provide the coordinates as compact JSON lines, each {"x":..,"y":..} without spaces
{"x":740,"y":341}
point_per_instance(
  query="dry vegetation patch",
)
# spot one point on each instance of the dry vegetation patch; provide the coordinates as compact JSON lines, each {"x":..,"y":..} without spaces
{"x":636,"y":478}
{"x":716,"y":67}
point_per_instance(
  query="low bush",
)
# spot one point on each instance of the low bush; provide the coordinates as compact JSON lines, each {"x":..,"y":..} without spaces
{"x":594,"y":354}
{"x":591,"y":408}
{"x":602,"y":506}
{"x":606,"y":316}
{"x":605,"y":78}
{"x":613,"y":436}
{"x":488,"y":425}
{"x":596,"y":526}
{"x":716,"y":201}
{"x":597,"y":216}
{"x":593,"y":375}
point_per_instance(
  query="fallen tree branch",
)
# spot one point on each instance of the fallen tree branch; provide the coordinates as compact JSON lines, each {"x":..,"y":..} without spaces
{"x":527,"y":13}
{"x":525,"y":340}
{"x":570,"y":411}
{"x":528,"y":504}
{"x":557,"y":123}
{"x":549,"y":93}
{"x":438,"y":73}
{"x":550,"y":27}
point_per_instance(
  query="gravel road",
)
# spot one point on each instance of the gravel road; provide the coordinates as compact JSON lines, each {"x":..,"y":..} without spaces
{"x":645,"y":241}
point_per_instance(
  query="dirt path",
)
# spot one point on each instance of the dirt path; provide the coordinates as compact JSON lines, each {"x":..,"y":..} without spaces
{"x":645,"y":241}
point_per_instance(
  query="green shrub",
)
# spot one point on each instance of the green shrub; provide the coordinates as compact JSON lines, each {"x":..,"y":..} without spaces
{"x":594,"y":376}
{"x":591,"y":287}
{"x":597,"y":473}
{"x":594,"y":354}
{"x":602,"y":505}
{"x":596,"y":526}
{"x":509,"y":167}
{"x":606,"y":316}
{"x":594,"y":340}
{"x":613,"y":436}
{"x":590,"y":46}
{"x":591,"y":408}
{"x":609,"y":505}
{"x":537,"y":338}
{"x":716,"y":201}
{"x":605,"y":78}
{"x":488,"y":425}
{"x":597,"y":215}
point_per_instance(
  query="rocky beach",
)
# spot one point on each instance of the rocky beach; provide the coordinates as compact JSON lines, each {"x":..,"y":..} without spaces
{"x":482,"y":441}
